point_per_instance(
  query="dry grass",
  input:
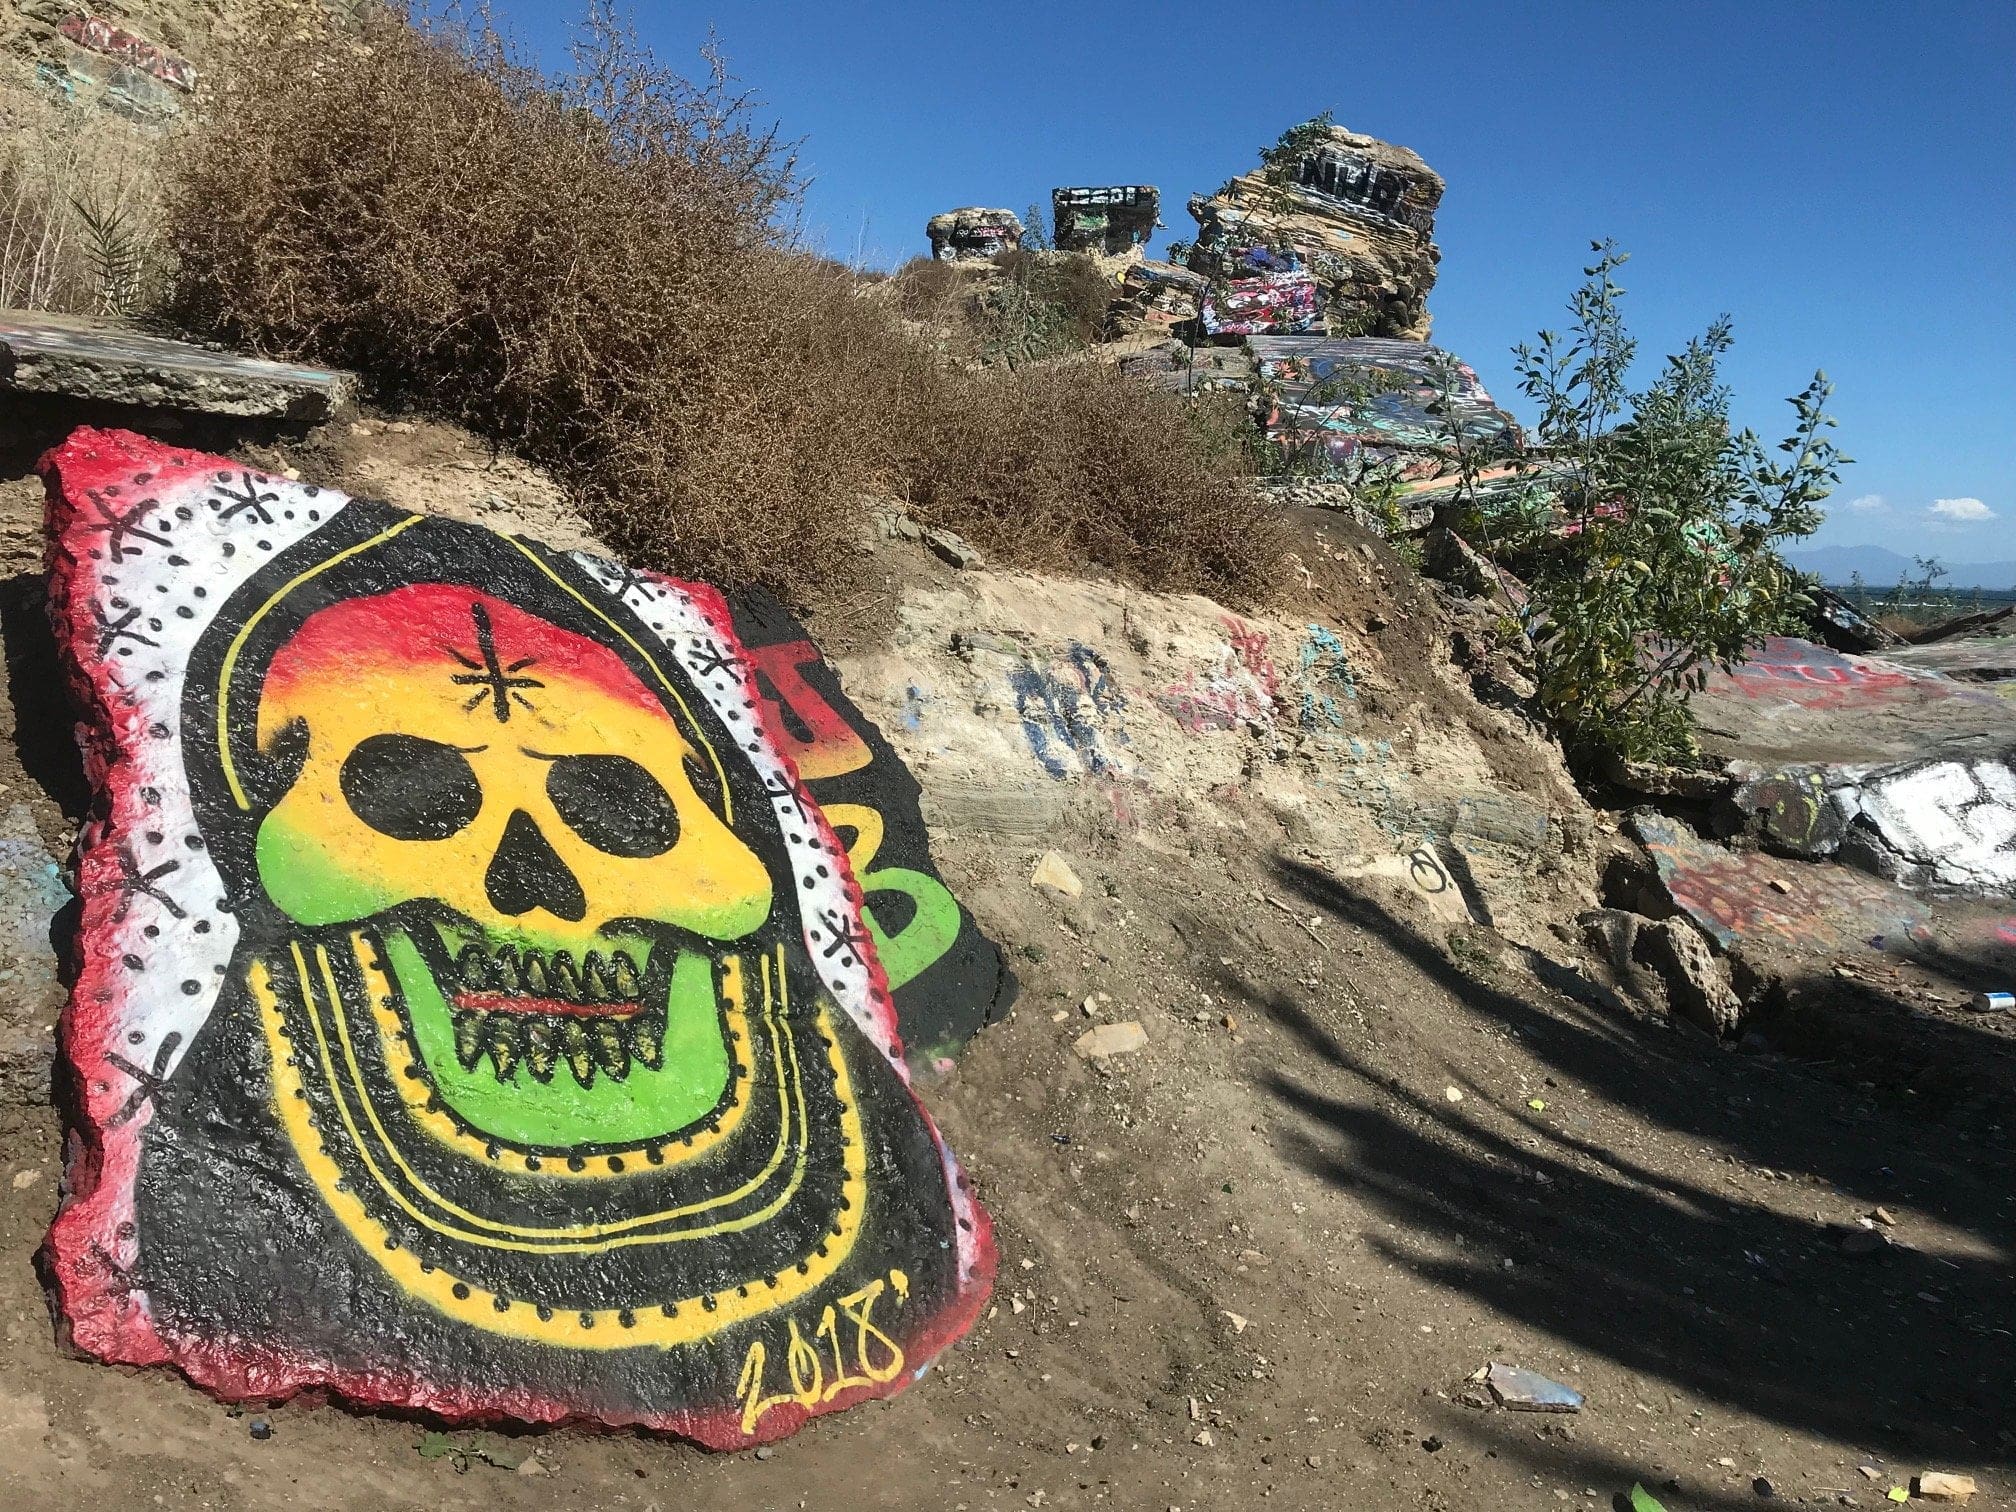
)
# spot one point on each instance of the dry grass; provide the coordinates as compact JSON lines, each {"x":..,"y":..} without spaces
{"x":588,"y":270}
{"x":78,"y":232}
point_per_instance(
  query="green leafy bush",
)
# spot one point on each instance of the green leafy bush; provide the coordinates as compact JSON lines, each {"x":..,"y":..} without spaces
{"x":1660,"y":562}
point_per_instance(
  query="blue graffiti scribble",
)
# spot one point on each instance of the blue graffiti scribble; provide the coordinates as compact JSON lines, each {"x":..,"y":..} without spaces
{"x":1320,"y":665}
{"x":1061,"y":715}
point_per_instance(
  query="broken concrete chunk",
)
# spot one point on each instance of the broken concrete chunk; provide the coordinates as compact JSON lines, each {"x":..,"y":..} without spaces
{"x":1697,"y":984}
{"x":1123,"y":1038}
{"x":1937,"y":1485}
{"x":951,"y":548}
{"x":1520,"y":1390}
{"x":1053,"y":874}
{"x":101,"y":360}
{"x":1359,"y":212}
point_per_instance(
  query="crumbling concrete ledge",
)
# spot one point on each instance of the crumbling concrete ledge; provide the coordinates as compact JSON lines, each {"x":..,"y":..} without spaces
{"x":109,"y":363}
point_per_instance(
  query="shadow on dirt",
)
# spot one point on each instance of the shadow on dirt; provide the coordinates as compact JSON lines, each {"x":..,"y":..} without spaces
{"x":1680,"y":1277}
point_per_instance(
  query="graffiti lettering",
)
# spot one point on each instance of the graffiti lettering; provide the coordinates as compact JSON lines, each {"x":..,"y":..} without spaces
{"x":820,"y":741}
{"x":1064,"y":706}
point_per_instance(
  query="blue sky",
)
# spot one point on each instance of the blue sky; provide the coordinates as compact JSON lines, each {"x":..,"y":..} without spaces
{"x":1839,"y":177}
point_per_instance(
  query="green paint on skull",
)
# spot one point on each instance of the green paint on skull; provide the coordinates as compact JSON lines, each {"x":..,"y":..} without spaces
{"x":644,"y":1104}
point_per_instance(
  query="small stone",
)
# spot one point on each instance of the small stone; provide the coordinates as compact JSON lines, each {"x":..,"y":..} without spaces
{"x":765,"y":1452}
{"x":260,"y":1429}
{"x":1763,"y":1488}
{"x":1016,"y":1304}
{"x":1239,"y":1324}
{"x":1885,"y":1217}
{"x":1870,"y":1472}
{"x":1123,"y":1038}
{"x":1053,"y":873}
{"x":1521,"y":1390}
{"x":1862,"y":1241}
{"x":25,"y":1179}
{"x":402,"y":427}
{"x":1452,"y":1094}
{"x":1937,"y":1485}
{"x":1779,"y":884}
{"x":1432,"y":1444}
{"x":1204,"y":1439}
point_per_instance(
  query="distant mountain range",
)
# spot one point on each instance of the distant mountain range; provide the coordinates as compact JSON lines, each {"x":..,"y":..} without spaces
{"x":1881,"y":567}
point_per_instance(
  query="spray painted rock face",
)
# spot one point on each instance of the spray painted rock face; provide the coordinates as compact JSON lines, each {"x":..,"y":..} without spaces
{"x":524,"y":825}
{"x":477,"y":1015}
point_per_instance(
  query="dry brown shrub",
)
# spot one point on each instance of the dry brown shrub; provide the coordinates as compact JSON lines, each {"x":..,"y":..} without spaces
{"x":589,"y":270}
{"x":1070,"y":463}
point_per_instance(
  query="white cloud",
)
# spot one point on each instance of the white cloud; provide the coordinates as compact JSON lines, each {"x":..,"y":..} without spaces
{"x":1868,"y":504}
{"x":1967,"y":510}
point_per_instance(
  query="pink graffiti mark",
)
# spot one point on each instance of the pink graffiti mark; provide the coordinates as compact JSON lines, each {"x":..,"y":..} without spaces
{"x":102,"y":36}
{"x":1815,"y":677}
{"x":1237,"y":690}
{"x":1738,"y":898}
{"x":2006,"y":931}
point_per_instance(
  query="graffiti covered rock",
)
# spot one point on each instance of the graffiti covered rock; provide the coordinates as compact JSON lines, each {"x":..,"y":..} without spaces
{"x":1359,"y":212}
{"x":476,"y":1014}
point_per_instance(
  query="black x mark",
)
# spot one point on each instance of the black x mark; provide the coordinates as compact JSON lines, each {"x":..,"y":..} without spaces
{"x":134,"y":883}
{"x":117,"y":526}
{"x":151,"y":1083}
{"x":111,"y":631}
{"x":251,"y":498}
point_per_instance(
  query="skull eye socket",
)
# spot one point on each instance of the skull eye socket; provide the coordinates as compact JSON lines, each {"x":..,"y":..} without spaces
{"x":409,"y":788}
{"x":614,"y":804}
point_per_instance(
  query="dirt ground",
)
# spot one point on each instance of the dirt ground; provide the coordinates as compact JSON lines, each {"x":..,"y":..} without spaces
{"x":1363,"y":1154}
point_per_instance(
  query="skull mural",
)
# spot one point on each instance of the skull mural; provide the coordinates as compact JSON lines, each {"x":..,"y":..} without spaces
{"x":517,"y":1041}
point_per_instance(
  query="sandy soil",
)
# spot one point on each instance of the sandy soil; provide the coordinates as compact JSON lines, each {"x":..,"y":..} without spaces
{"x":1364,"y":1152}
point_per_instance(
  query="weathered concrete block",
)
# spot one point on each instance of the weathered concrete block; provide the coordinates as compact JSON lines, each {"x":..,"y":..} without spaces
{"x":98,"y":360}
{"x":475,"y":1013}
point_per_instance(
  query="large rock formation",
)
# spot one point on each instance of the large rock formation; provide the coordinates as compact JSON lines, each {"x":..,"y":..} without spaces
{"x":1359,"y":212}
{"x":973,"y":233}
{"x":1116,"y":219}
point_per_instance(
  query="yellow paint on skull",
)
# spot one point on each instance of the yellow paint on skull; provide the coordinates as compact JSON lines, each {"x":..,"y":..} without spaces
{"x":323,"y":864}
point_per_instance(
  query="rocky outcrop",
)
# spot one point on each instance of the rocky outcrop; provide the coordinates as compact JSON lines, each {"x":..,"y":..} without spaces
{"x":973,"y":233}
{"x":1359,"y":212}
{"x":1115,"y":219}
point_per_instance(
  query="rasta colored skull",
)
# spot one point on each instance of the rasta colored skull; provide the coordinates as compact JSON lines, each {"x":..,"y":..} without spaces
{"x":476,"y":1014}
{"x":525,"y":823}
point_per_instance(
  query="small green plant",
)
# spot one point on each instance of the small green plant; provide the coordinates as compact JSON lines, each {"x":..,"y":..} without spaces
{"x":1660,"y":563}
{"x":116,"y":252}
{"x":1036,"y":235}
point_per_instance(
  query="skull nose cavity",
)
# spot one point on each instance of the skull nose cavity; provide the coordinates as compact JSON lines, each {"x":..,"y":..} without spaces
{"x":527,"y":873}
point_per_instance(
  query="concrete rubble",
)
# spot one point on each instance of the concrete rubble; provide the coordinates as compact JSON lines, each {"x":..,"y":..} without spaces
{"x":1371,"y":400}
{"x":1892,"y":767}
{"x":1359,"y":214}
{"x":104,"y":361}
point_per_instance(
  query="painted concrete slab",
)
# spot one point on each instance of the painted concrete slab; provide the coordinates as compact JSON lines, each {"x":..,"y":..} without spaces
{"x":476,"y":1012}
{"x":104,"y":361}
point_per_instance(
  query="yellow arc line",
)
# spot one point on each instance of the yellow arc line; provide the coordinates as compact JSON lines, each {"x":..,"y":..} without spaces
{"x":687,"y":1320}
{"x":779,"y":1054}
{"x":589,"y":1242}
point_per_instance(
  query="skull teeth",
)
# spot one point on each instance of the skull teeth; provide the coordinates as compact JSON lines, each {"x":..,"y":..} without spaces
{"x":598,"y":979}
{"x":541,"y":1043}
